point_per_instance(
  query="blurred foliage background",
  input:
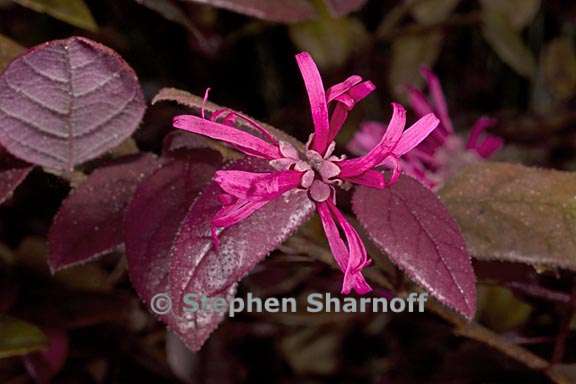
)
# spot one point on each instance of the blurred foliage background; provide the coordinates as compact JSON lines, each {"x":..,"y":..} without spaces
{"x":514,"y":60}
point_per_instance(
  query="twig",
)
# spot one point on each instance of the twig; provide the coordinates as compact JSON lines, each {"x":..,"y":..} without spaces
{"x":539,"y":292}
{"x":471,"y":330}
{"x":388,"y":28}
{"x":560,"y":343}
{"x":117,"y":273}
{"x":471,"y":18}
{"x":475,"y":331}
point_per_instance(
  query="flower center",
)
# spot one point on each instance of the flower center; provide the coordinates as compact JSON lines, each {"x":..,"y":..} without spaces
{"x":319,"y":172}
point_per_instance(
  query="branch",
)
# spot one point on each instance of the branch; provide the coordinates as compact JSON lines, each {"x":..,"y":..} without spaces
{"x":470,"y":330}
{"x":560,"y":344}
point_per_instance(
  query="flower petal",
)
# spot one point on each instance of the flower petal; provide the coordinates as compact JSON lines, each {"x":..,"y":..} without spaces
{"x":307,"y":178}
{"x":393,"y":163}
{"x":366,"y":138}
{"x":319,"y":191}
{"x":418,"y":101}
{"x":230,"y":116}
{"x":343,"y":87}
{"x":358,"y":258}
{"x":232,"y":214}
{"x":243,"y":141}
{"x":350,"y":259}
{"x":384,"y":148}
{"x":396,"y":126}
{"x":489,"y":144}
{"x":317,"y":98}
{"x":441,"y":107}
{"x":288,"y":150}
{"x":328,"y":170}
{"x":337,"y":245}
{"x":413,"y":166}
{"x":257,"y":186}
{"x":282,"y":164}
{"x":371,"y":178}
{"x":422,"y":107}
{"x":345,"y":102}
{"x":416,"y":134}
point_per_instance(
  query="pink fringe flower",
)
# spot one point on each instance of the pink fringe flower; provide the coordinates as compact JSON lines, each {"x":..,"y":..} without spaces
{"x":317,"y":171}
{"x":443,"y":152}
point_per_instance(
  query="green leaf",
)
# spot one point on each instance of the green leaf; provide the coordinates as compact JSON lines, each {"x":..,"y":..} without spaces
{"x":500,"y":310}
{"x":313,"y":350}
{"x":559,"y":67}
{"x":33,"y":254}
{"x":18,"y":337}
{"x":519,"y":13}
{"x":430,"y":12}
{"x":409,"y":54}
{"x":510,"y":212}
{"x":330,"y":41}
{"x":169,"y":11}
{"x":507,"y":42}
{"x":74,"y":12}
{"x":8,"y":51}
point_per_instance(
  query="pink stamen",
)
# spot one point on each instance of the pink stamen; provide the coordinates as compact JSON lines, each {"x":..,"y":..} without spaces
{"x":204,"y":101}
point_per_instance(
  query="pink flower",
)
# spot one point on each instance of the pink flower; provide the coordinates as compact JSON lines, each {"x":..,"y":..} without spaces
{"x":442,"y":152}
{"x":317,"y":171}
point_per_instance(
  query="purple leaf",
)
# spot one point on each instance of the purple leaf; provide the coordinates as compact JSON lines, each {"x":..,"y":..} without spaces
{"x":196,"y":267}
{"x":67,"y":101}
{"x":272,"y":10}
{"x":416,"y":231}
{"x":153,"y":218}
{"x":89,"y":222}
{"x":12,"y":173}
{"x":339,"y":8}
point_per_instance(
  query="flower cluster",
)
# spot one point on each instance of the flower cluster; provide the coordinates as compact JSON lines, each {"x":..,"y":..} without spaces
{"x":314,"y":170}
{"x":443,"y":152}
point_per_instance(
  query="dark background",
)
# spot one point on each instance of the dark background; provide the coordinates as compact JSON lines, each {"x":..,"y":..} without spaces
{"x":249,"y":64}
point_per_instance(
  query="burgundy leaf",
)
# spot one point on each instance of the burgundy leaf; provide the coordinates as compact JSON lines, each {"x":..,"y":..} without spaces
{"x":153,"y":218}
{"x":12,"y":173}
{"x":197,"y":267}
{"x":340,"y":8}
{"x":89,"y":222}
{"x":272,"y":10}
{"x":410,"y":224}
{"x":67,"y":101}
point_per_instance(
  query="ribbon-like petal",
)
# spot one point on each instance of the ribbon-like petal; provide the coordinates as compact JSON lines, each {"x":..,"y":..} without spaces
{"x":351,"y":256}
{"x":345,"y":102}
{"x":416,"y":134}
{"x":438,"y":98}
{"x":484,"y":144}
{"x":385,"y":147}
{"x":317,"y":99}
{"x":243,"y":141}
{"x":257,"y":186}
